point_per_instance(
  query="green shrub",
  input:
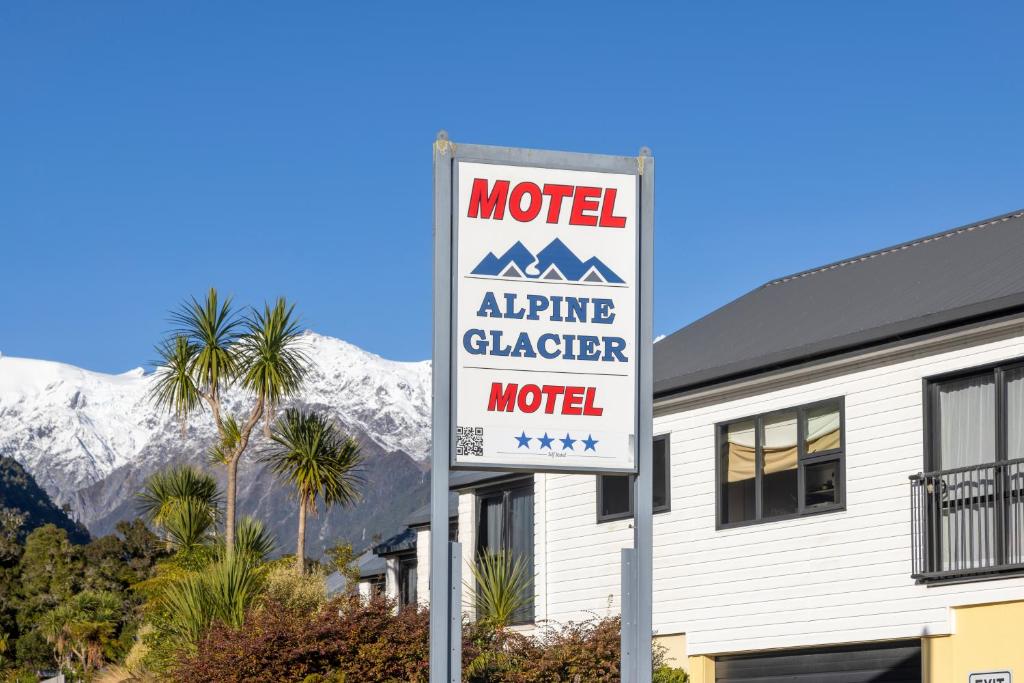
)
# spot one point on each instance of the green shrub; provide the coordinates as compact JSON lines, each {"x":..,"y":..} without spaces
{"x":304,"y":593}
{"x":667,"y":674}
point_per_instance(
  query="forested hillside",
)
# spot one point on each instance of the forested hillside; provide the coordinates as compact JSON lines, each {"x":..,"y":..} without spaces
{"x":20,"y":495}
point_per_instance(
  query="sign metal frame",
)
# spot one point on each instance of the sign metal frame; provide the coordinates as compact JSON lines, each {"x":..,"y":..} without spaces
{"x":642,"y":169}
{"x":445,"y":641}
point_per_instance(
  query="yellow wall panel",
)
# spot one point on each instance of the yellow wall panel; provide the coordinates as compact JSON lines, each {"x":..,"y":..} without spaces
{"x":985,"y":638}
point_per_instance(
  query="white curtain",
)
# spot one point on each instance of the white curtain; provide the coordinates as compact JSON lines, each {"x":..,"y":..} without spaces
{"x":1015,"y":414}
{"x":967,"y":411}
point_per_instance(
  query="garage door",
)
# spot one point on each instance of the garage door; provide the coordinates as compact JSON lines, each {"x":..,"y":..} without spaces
{"x":895,"y":662}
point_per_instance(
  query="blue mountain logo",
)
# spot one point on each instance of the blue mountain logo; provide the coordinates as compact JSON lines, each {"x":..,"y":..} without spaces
{"x":554,"y":263}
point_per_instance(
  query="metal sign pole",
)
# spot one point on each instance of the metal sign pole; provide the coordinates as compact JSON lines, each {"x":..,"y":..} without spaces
{"x":442,"y":649}
{"x":643,"y":519}
{"x":627,"y":642}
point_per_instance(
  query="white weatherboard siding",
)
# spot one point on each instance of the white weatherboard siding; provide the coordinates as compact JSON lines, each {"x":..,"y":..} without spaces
{"x":423,"y":565}
{"x":391,"y":578}
{"x":831,"y":578}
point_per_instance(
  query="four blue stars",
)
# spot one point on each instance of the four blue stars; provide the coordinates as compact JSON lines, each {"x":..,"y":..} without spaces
{"x":568,"y":443}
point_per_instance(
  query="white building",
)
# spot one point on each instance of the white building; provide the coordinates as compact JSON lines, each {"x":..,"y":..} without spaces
{"x":796,"y":538}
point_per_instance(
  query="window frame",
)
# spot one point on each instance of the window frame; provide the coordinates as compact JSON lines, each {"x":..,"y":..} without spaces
{"x":803,"y":459}
{"x":404,"y":562}
{"x":932,"y":418}
{"x":667,"y":507}
{"x":506,"y":488}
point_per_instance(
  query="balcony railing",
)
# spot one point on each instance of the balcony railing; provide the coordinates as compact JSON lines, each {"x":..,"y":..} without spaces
{"x":968,"y":521}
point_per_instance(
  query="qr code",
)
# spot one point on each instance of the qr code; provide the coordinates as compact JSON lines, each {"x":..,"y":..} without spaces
{"x":469,"y":441}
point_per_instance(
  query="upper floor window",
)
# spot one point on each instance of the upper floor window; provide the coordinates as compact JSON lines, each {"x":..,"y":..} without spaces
{"x":615,"y":491}
{"x":967,"y":506}
{"x":977,"y":418}
{"x":781,"y":464}
{"x":505,"y":524}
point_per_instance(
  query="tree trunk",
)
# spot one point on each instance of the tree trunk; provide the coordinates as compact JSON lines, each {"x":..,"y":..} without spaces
{"x":229,"y":521}
{"x":300,"y":550}
{"x":268,"y":421}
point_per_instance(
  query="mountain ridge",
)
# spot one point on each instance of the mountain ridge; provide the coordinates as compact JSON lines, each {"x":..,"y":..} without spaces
{"x":91,"y":438}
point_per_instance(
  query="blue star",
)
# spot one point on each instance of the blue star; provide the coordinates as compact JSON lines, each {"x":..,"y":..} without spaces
{"x":545,"y":441}
{"x":589,"y":442}
{"x":567,"y":442}
{"x":524,"y":440}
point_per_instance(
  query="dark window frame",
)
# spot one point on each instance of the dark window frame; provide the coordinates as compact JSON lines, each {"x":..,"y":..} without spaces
{"x":667,"y":473}
{"x":404,"y":561}
{"x":932,"y":459}
{"x":932,"y":419}
{"x":505,"y":488}
{"x":803,"y":459}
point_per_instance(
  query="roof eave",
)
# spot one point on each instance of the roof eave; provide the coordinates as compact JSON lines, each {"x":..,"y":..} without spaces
{"x":900,"y":331}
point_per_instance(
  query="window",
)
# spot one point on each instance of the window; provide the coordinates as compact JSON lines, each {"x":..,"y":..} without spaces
{"x":781,"y":464}
{"x":407,"y":580}
{"x":971,"y":496}
{"x":505,"y":523}
{"x":615,"y":491}
{"x":377,"y":585}
{"x":976,"y":419}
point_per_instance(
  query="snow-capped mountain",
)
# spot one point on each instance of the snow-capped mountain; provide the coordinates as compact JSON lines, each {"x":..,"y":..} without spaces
{"x":90,"y":438}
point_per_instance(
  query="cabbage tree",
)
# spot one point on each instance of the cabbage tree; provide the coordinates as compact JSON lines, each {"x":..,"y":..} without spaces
{"x":214,"y":347}
{"x":321,"y":462}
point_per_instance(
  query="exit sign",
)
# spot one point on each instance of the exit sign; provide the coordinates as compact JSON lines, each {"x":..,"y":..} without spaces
{"x":990,"y":677}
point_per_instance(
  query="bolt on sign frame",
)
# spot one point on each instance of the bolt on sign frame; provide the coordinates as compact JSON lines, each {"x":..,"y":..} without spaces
{"x":542,"y":326}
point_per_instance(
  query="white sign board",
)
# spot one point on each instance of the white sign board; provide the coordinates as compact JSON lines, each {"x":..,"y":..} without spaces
{"x":990,"y":677}
{"x":545,"y":289}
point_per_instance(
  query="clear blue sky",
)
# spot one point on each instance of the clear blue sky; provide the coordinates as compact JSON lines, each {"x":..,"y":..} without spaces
{"x":150,"y":150}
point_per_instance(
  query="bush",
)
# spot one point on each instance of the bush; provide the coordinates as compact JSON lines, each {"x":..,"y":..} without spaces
{"x":586,"y":651}
{"x":667,"y":674}
{"x":305,"y":593}
{"x":350,"y":640}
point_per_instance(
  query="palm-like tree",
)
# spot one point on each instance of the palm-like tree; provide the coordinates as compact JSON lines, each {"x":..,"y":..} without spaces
{"x":212,"y":327}
{"x":222,"y":592}
{"x":174,"y":386}
{"x":183,"y":502}
{"x":320,"y":461}
{"x":273,"y":363}
{"x":259,"y":352}
{"x":502,"y":583}
{"x":81,"y":627}
{"x":254,"y":543}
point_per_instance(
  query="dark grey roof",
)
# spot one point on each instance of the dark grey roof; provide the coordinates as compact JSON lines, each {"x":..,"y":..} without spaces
{"x":401,"y":542}
{"x":370,"y":565}
{"x":467,"y":479}
{"x":422,"y":516}
{"x":937,"y":282}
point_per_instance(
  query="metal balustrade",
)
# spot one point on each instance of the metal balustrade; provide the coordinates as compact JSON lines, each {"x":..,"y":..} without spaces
{"x":968,"y":521}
